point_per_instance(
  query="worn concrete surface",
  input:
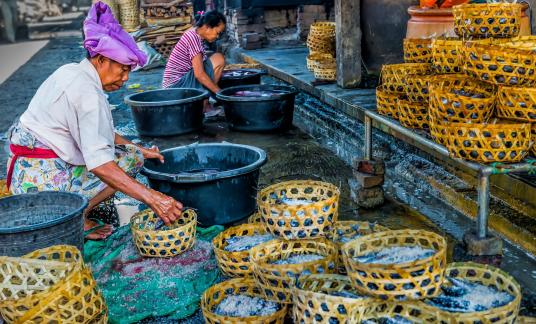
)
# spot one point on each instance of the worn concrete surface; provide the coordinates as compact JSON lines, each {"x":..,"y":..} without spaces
{"x":15,"y":55}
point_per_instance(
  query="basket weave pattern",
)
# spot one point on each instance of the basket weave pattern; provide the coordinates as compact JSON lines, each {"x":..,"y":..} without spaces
{"x":447,"y":56}
{"x":517,"y":103}
{"x":130,"y":14}
{"x":163,"y":243}
{"x":438,"y":130}
{"x":414,"y":312}
{"x":393,"y":76}
{"x":313,"y":59}
{"x":277,"y":280}
{"x":413,"y":114}
{"x":322,"y":29}
{"x":417,"y":87}
{"x":417,"y":50}
{"x":325,"y":73}
{"x":310,"y":220}
{"x":387,"y":102}
{"x":412,"y":280}
{"x":487,"y":20}
{"x":255,"y":218}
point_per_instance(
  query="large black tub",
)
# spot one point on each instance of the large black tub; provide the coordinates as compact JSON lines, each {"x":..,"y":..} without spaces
{"x":166,"y":112}
{"x":237,"y":77}
{"x":218,"y":179}
{"x":259,"y":113}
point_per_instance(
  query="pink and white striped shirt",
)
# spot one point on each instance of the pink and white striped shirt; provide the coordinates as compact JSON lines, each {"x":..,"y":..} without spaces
{"x":180,"y":60}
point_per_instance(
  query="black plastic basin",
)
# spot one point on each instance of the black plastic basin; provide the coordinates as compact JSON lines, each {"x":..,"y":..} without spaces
{"x":252,"y":76}
{"x":218,"y":179}
{"x":166,"y":112}
{"x":259,"y":114}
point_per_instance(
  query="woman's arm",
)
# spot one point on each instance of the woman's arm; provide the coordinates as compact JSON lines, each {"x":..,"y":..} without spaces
{"x":201,"y":75}
{"x":148,"y":153}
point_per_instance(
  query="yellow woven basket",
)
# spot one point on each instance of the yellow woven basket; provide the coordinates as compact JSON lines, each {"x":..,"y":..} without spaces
{"x":277,"y":280}
{"x":313,"y":59}
{"x":213,"y":296}
{"x":517,"y":103}
{"x":413,"y":114}
{"x":130,"y":14}
{"x":499,"y":63}
{"x":325,"y":73}
{"x":321,"y":45}
{"x":417,"y":87}
{"x":313,"y":210}
{"x":499,"y":141}
{"x":497,"y":20}
{"x":235,"y":264}
{"x":412,"y":312}
{"x":447,"y":55}
{"x":255,"y":218}
{"x":50,"y":285}
{"x":449,"y":100}
{"x":533,"y":131}
{"x":438,"y":130}
{"x":174,"y":240}
{"x":393,"y":76}
{"x":489,"y":276}
{"x":344,"y":230}
{"x":417,"y":50}
{"x":322,"y":29}
{"x":411,"y":280}
{"x":387,"y":101}
{"x":318,"y":299}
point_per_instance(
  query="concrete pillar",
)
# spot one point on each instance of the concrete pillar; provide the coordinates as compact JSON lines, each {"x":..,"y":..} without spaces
{"x":347,"y":19}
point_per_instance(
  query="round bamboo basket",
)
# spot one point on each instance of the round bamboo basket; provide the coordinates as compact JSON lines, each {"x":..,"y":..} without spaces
{"x":448,"y":106}
{"x":322,"y":29}
{"x":213,"y":296}
{"x":313,"y":59}
{"x":438,"y":130}
{"x":255,"y":218}
{"x":387,"y":101}
{"x":499,"y":64}
{"x":412,"y":312}
{"x":417,"y":87}
{"x":235,"y":264}
{"x":417,"y":50}
{"x":325,"y":73}
{"x":393,"y":76}
{"x":314,"y":301}
{"x":411,"y":280}
{"x":447,"y":55}
{"x":488,"y":276}
{"x":483,"y":20}
{"x":501,"y":141}
{"x":277,"y":280}
{"x":413,"y":114}
{"x":309,"y":220}
{"x":50,"y":285}
{"x":345,"y":229}
{"x":130,"y":14}
{"x":321,"y":45}
{"x":517,"y":103}
{"x":163,"y":243}
{"x":4,"y":192}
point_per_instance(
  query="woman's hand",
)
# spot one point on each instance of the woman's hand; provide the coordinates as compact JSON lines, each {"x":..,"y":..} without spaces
{"x":152,"y":153}
{"x":167,"y":208}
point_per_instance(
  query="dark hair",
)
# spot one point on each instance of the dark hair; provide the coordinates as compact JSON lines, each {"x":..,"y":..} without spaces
{"x":210,"y":18}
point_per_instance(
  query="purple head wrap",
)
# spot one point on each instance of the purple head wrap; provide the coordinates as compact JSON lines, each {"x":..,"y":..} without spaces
{"x":103,"y":35}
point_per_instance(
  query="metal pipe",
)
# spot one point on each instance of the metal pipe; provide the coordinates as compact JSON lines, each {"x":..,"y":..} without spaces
{"x":368,"y":138}
{"x":483,"y":205}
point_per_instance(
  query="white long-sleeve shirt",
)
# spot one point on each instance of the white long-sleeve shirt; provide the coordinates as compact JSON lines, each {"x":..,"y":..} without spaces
{"x":70,"y":114}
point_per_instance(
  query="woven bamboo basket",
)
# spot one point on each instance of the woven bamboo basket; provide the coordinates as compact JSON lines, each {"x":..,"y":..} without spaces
{"x":411,"y":280}
{"x":417,"y":87}
{"x":321,"y":45}
{"x":255,"y":218}
{"x":239,"y":66}
{"x":387,"y":101}
{"x":520,"y":42}
{"x":314,"y":301}
{"x":277,"y":280}
{"x":499,"y":63}
{"x":322,"y":29}
{"x":130,"y":14}
{"x":438,"y":130}
{"x":412,"y":312}
{"x":312,"y":60}
{"x":447,"y":55}
{"x":448,"y":106}
{"x":496,"y":20}
{"x":50,"y":285}
{"x":347,"y":229}
{"x":417,"y":50}
{"x":164,"y":49}
{"x":235,"y":264}
{"x":413,"y":114}
{"x":214,"y":295}
{"x":325,"y":73}
{"x":4,"y":192}
{"x":533,"y":131}
{"x":498,"y":141}
{"x":178,"y":238}
{"x":517,"y":103}
{"x":393,"y":76}
{"x":314,"y":218}
{"x":489,"y":276}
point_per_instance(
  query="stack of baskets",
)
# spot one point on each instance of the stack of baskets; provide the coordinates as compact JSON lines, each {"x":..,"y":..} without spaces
{"x":321,"y":44}
{"x":129,"y":13}
{"x":475,"y":94}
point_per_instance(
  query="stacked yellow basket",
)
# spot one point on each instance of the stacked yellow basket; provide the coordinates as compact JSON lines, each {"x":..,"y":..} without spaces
{"x":321,"y":44}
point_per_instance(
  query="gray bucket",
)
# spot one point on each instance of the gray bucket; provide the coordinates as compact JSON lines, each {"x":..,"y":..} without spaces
{"x":38,"y":220}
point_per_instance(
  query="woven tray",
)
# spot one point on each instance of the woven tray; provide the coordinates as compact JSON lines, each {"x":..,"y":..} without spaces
{"x":413,"y":115}
{"x":350,"y":228}
{"x":73,"y":298}
{"x":447,"y":55}
{"x":499,"y":64}
{"x":235,"y":264}
{"x":417,"y":50}
{"x":489,"y":276}
{"x":517,"y":103}
{"x":412,"y":280}
{"x":499,"y":142}
{"x":238,"y":286}
{"x":322,"y":29}
{"x":163,"y":243}
{"x":277,"y":280}
{"x":314,"y":59}
{"x":387,"y":101}
{"x":487,"y":20}
{"x":417,"y":87}
{"x":414,"y":312}
{"x":446,"y":106}
{"x":393,"y":76}
{"x":304,"y":220}
{"x":313,"y":302}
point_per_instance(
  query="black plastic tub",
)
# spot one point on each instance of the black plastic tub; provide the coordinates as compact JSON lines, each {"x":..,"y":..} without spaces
{"x":38,"y":220}
{"x":218,"y":179}
{"x":259,"y":114}
{"x":167,"y":112}
{"x":248,"y":77}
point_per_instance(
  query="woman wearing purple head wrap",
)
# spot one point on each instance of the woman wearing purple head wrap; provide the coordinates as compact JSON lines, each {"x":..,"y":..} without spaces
{"x":65,"y":140}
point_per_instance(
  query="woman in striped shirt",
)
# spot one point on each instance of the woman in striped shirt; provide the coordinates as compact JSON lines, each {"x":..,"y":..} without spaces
{"x":188,"y":65}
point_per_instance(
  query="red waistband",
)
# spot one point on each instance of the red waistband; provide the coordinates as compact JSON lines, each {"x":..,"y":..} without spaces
{"x":24,"y":151}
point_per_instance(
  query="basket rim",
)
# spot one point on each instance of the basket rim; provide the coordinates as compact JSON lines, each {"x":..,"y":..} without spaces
{"x":218,"y":242}
{"x":265,"y":191}
{"x":193,"y":219}
{"x":503,"y":124}
{"x":469,"y":6}
{"x":298,"y":289}
{"x":487,"y":47}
